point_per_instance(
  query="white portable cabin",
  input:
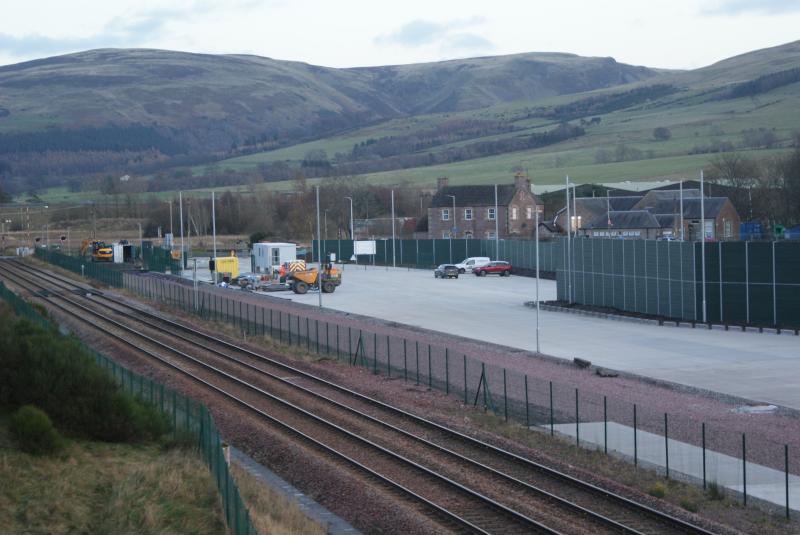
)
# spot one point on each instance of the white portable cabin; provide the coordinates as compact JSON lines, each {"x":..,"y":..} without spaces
{"x":270,"y":256}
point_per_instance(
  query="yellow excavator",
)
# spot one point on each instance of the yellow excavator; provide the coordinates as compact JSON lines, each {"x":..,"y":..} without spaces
{"x":309,"y":279}
{"x":100,"y":251}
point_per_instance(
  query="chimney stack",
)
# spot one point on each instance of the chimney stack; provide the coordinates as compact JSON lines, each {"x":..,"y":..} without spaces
{"x":521,"y":181}
{"x":441,"y":183}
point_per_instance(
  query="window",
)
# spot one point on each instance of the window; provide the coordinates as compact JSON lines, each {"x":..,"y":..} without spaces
{"x":490,"y":234}
{"x":491,"y":215}
{"x":276,"y":257}
{"x":513,"y":212}
{"x":468,"y":234}
{"x":445,"y":234}
{"x":709,"y":229}
{"x":728,"y":229}
{"x":528,"y":213}
{"x":445,"y":214}
{"x":467,"y":214}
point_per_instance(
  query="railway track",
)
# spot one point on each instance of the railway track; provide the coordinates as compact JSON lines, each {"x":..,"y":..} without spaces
{"x":489,"y":489}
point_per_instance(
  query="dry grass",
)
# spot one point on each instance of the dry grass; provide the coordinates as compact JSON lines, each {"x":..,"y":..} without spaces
{"x":107,"y":488}
{"x":270,"y":512}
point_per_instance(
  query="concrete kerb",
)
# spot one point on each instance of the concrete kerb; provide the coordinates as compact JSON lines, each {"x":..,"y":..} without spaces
{"x":665,"y":322}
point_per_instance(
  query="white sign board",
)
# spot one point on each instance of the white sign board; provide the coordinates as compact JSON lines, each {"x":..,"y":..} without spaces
{"x":364,"y":247}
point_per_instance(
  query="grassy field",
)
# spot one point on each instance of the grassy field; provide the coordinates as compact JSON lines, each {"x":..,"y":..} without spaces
{"x":95,"y":487}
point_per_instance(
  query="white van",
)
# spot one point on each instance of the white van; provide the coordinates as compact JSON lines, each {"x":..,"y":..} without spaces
{"x":468,"y":264}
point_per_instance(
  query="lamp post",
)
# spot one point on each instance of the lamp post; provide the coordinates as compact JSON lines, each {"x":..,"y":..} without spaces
{"x":453,"y":228}
{"x":352,"y":235}
{"x":394,"y":261}
{"x":319,"y":254}
{"x":325,"y":226}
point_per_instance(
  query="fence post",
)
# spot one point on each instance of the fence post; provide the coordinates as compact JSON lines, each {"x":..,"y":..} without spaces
{"x":666,"y":442}
{"x":703,"y":429}
{"x":308,"y":335}
{"x":465,"y":379}
{"x":350,"y":344}
{"x":430,"y":374}
{"x":786,"y":475}
{"x":405,"y":361}
{"x":447,"y":371}
{"x":527,"y":405}
{"x":605,"y":425}
{"x":290,"y":328}
{"x":389,"y":355}
{"x":744,"y":468}
{"x":577,"y":421}
{"x":416,"y":351}
{"x":774,"y":297}
{"x":505,"y":396}
{"x":551,"y":409}
{"x":375,"y":351}
{"x":635,"y":445}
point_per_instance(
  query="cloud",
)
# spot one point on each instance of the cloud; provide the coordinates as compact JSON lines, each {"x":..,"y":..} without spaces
{"x":449,"y":35}
{"x":769,"y":7}
{"x":467,"y":42}
{"x":125,"y":31}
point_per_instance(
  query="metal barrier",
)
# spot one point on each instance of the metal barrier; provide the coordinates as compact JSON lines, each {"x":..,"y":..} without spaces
{"x":676,"y":445}
{"x":186,"y":415}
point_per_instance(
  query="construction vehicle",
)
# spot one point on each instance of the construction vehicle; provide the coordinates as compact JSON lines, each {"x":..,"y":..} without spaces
{"x":99,"y":250}
{"x":310,"y":279}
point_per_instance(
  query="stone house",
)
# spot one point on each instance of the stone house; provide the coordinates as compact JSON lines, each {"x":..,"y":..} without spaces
{"x":470,"y":211}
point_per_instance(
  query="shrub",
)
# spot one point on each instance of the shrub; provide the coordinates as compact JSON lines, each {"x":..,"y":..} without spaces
{"x":55,"y":373}
{"x":688,"y":504}
{"x":658,"y":490}
{"x":33,"y":431}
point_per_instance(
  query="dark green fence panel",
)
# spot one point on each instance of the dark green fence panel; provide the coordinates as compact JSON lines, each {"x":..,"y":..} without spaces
{"x":787,"y":279}
{"x":743,"y":284}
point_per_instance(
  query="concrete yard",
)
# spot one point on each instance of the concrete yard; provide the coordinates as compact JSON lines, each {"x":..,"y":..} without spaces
{"x":758,"y":366}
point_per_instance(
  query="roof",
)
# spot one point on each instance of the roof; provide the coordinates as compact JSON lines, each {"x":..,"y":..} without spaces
{"x":665,"y":202}
{"x":712,"y":208}
{"x":629,"y":219}
{"x":474,"y":196}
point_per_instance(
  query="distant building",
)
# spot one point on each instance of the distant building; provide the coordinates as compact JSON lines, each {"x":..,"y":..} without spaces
{"x":475,"y":215}
{"x":654,"y":215}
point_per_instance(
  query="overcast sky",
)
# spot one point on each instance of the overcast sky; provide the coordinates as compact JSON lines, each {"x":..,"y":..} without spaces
{"x":679,"y":34}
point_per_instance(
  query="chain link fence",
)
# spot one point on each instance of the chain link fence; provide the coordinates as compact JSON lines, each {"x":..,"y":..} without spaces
{"x":676,"y":445}
{"x":186,"y":415}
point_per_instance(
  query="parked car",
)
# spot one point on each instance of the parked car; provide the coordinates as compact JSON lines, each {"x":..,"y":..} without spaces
{"x":446,"y":271}
{"x":497,"y":267}
{"x":469,"y":264}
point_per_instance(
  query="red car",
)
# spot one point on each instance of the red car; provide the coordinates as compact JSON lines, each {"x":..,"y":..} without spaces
{"x":496,"y":267}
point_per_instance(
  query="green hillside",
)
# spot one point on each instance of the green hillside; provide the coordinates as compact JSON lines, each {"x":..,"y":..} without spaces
{"x":193,"y":121}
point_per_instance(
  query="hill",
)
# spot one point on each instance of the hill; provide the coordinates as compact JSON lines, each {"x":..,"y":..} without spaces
{"x":115,"y":108}
{"x":239,"y":119}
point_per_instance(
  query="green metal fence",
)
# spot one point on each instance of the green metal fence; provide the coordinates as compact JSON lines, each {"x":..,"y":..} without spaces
{"x":105,"y":272}
{"x":753,"y":283}
{"x":185,"y":414}
{"x":430,"y":253}
{"x":677,"y":445}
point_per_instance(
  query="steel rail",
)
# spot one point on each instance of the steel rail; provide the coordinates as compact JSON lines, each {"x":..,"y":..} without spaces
{"x":520,"y":519}
{"x":635,"y":507}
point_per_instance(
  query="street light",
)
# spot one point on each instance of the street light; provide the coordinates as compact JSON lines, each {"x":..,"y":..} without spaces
{"x":352,"y":235}
{"x":453,"y":228}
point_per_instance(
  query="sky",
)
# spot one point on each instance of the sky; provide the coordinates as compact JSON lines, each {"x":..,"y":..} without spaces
{"x":677,"y":34}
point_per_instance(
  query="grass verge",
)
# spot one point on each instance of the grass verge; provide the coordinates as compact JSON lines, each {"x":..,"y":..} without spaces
{"x":96,"y":487}
{"x":270,"y":511}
